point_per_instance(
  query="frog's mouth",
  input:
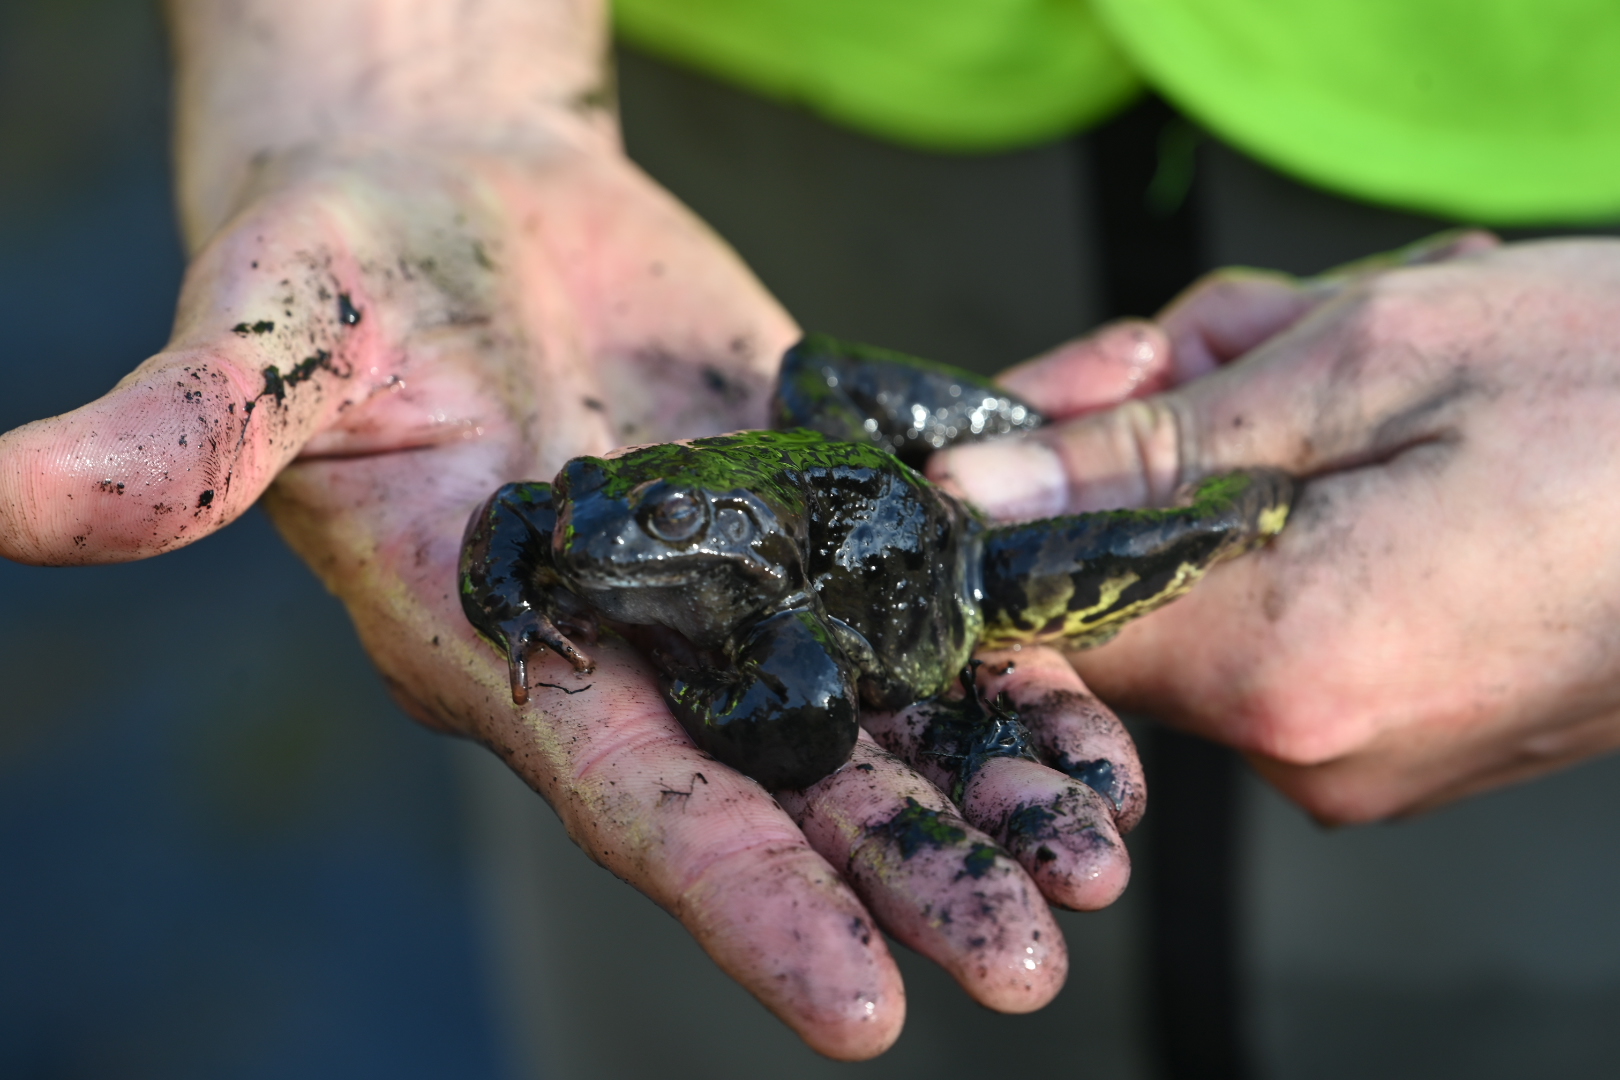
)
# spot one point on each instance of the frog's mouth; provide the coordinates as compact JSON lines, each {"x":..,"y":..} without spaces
{"x":706,"y":600}
{"x":697,"y":571}
{"x":638,"y":575}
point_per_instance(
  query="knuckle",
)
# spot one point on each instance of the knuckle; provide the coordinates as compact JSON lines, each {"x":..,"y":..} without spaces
{"x":1153,"y":430}
{"x":1291,"y":720}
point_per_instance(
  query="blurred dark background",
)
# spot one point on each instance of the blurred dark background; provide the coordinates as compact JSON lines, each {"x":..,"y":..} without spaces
{"x":223,"y":853}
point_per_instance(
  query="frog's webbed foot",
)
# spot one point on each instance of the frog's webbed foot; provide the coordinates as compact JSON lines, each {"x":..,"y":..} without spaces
{"x":531,"y":631}
{"x":1078,"y":579}
{"x":909,"y":407}
{"x":962,"y":734}
{"x":509,"y":589}
{"x":785,"y":715}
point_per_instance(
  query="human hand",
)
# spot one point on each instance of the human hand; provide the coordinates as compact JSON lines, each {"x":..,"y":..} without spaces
{"x":376,"y":332}
{"x":1435,"y":619}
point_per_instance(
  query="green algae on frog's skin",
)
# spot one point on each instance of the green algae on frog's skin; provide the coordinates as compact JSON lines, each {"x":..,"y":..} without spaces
{"x":764,"y":462}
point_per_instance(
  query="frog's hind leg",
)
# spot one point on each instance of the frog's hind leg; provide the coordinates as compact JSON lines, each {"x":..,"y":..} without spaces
{"x":908,"y":406}
{"x":786,"y":715}
{"x":509,"y":589}
{"x":1079,"y":579}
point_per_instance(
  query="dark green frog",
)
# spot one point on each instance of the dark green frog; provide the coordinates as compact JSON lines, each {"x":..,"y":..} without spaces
{"x":781,"y":580}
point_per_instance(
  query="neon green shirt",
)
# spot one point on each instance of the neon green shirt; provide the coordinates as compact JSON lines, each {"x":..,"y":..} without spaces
{"x":1500,"y":111}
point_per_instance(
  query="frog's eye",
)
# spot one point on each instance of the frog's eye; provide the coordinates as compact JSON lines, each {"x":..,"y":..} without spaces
{"x":677,"y":517}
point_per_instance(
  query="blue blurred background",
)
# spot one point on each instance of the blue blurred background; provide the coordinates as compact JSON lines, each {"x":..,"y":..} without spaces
{"x":223,"y":853}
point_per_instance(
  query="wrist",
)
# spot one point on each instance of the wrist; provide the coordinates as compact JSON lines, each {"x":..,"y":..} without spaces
{"x":261,"y":83}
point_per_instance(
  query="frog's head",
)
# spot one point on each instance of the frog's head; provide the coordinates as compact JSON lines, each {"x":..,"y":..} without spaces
{"x":674,"y":536}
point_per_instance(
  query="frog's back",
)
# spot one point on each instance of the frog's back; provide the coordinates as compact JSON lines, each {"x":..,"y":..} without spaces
{"x":896,"y":561}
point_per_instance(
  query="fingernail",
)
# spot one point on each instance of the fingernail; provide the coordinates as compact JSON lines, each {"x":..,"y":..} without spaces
{"x":1013,"y":479}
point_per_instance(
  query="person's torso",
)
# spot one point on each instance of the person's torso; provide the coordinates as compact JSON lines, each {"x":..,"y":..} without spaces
{"x":1500,"y":111}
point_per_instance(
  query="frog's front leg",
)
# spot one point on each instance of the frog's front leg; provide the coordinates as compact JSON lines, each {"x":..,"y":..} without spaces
{"x":1078,"y":579}
{"x":786,"y":715}
{"x":510,"y":590}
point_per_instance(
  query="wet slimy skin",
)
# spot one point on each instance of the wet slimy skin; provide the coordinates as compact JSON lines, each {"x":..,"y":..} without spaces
{"x":779,"y":581}
{"x":860,"y":393}
{"x":786,"y":579}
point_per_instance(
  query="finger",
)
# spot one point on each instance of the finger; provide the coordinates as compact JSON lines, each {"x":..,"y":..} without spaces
{"x":934,"y":881}
{"x":705,"y":843}
{"x":272,"y":339}
{"x":1059,"y":829}
{"x":712,"y":847}
{"x":1381,"y":369}
{"x":1227,"y":313}
{"x":1412,"y":770}
{"x":1441,"y":247}
{"x":1122,"y":360}
{"x":1050,"y":473}
{"x":1074,"y":732}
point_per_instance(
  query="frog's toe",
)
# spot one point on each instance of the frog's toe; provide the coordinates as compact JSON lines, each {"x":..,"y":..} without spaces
{"x":523,"y":636}
{"x":565,"y":648}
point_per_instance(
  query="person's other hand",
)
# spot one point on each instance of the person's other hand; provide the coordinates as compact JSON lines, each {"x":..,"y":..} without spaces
{"x":1436,"y":618}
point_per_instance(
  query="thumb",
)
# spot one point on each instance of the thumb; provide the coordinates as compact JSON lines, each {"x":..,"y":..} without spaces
{"x":1355,"y":381}
{"x":263,"y":354}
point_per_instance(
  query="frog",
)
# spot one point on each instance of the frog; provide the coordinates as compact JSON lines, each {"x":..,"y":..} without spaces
{"x":781,"y":581}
